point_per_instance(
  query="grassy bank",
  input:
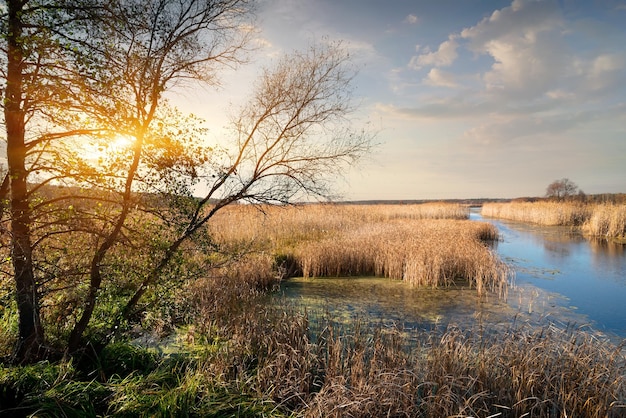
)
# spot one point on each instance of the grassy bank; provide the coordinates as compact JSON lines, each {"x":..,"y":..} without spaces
{"x":262,"y":362}
{"x":604,"y":220}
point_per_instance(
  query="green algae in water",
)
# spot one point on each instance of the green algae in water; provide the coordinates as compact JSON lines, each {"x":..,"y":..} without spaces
{"x":372,"y":301}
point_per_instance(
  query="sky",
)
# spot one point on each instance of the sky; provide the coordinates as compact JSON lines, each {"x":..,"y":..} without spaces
{"x":468,"y":98}
{"x":474,"y":98}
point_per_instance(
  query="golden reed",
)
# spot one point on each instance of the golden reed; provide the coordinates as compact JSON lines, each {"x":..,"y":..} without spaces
{"x":424,"y":244}
{"x":604,"y":220}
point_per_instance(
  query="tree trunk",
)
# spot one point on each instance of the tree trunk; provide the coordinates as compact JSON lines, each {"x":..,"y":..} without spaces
{"x":31,"y":336}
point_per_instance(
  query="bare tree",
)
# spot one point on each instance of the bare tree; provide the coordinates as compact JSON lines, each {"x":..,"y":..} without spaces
{"x":292,"y":136}
{"x":561,"y":189}
{"x":106,"y":78}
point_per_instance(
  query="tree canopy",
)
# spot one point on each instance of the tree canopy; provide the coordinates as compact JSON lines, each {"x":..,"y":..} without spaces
{"x":562,"y":188}
{"x":103,"y":173}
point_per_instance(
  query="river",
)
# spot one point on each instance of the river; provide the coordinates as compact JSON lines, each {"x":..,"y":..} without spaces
{"x":586,"y":276}
{"x":560,"y":278}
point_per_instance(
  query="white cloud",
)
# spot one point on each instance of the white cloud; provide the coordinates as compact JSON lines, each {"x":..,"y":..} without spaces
{"x":526,"y":44}
{"x":523,"y":17}
{"x":558,"y":94}
{"x":444,"y":56}
{"x":606,"y":70}
{"x":411,"y":19}
{"x":527,"y":55}
{"x":439,"y":78}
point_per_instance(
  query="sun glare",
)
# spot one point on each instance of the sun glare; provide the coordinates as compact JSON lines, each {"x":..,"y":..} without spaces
{"x":108,"y":147}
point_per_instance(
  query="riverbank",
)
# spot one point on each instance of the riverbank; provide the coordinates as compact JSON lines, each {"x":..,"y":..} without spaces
{"x":603,"y":220}
{"x":263,"y":363}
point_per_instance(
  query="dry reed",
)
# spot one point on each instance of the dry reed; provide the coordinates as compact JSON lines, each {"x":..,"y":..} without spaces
{"x":605,"y":220}
{"x":541,"y":213}
{"x":424,"y":253}
{"x":423,"y":244}
{"x":363,"y":372}
{"x":282,"y":226}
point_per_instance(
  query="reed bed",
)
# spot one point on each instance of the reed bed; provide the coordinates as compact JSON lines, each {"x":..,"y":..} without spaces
{"x":423,"y":253}
{"x":279,"y":226}
{"x":428,"y":244}
{"x":605,"y":220}
{"x":541,"y":213}
{"x":357,"y":371}
{"x":263,"y":362}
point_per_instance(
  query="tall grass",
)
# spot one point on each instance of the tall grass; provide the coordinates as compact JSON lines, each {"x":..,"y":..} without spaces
{"x":604,"y":220}
{"x":425,"y":244}
{"x":263,"y":363}
{"x":424,"y":253}
{"x":361,"y":372}
{"x":542,"y":213}
{"x":8,"y":323}
{"x":283,"y":226}
{"x":607,"y":221}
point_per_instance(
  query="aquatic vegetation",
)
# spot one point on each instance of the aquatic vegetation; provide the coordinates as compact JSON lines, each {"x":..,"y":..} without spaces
{"x":277,"y":227}
{"x":605,"y":220}
{"x":424,"y":244}
{"x":423,"y":253}
{"x":548,"y":213}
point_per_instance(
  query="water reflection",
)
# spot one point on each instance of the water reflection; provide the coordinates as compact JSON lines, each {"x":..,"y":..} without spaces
{"x":609,"y":256}
{"x":590,"y":274}
{"x":561,"y":277}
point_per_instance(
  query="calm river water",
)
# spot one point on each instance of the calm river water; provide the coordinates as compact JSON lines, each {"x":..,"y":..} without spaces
{"x":586,"y":276}
{"x":560,"y":277}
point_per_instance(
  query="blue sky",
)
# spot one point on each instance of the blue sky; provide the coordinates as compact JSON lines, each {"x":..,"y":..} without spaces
{"x":475,"y":98}
{"x":470,"y":98}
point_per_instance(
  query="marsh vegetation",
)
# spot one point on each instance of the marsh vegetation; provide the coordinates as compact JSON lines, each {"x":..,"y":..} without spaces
{"x":214,"y":347}
{"x":603,"y":220}
{"x":424,"y":245}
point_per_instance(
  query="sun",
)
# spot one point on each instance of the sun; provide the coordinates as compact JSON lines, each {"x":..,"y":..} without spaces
{"x":120,"y":143}
{"x":98,"y":151}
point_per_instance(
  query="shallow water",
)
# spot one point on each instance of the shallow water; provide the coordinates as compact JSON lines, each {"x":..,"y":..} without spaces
{"x":560,"y":278}
{"x":586,"y":276}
